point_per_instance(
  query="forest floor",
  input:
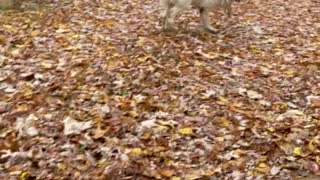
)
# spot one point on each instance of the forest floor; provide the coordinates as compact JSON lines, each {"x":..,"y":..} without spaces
{"x":95,"y":90}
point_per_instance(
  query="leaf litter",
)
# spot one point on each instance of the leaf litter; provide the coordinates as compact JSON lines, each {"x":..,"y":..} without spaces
{"x":137,"y":103}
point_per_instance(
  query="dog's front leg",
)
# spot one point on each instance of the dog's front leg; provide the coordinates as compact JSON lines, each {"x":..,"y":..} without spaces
{"x":204,"y":15}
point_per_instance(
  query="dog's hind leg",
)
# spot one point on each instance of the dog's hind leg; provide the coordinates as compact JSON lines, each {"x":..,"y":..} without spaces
{"x":164,"y":14}
{"x":164,"y":18}
{"x":204,"y":16}
{"x":228,"y":9}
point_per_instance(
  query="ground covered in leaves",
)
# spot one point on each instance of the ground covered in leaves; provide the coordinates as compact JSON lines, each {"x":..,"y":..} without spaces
{"x":95,"y":90}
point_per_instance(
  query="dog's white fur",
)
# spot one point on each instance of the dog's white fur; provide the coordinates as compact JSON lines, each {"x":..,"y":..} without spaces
{"x":172,"y":7}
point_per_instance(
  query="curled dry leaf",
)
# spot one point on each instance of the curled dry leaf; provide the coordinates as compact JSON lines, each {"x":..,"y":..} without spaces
{"x":27,"y":125}
{"x":275,"y":170}
{"x":3,"y":107}
{"x":167,"y":172}
{"x":147,"y":124}
{"x":290,"y":114}
{"x":313,"y":101}
{"x":185,"y":130}
{"x":72,"y":126}
{"x":254,"y":95}
{"x":98,"y":133}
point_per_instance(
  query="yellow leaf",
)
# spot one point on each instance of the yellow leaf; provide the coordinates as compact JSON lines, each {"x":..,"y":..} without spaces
{"x":209,"y":172}
{"x":146,"y":135}
{"x":22,"y":107}
{"x":186,"y":130}
{"x":61,"y":30}
{"x":297,"y":151}
{"x":166,"y":172}
{"x":133,"y":114}
{"x":75,"y":36}
{"x":318,"y":159}
{"x":75,"y":47}
{"x":9,"y":27}
{"x":222,"y":101}
{"x":263,"y":167}
{"x":271,"y":129}
{"x":219,"y":139}
{"x":289,"y":72}
{"x":143,"y":59}
{"x":3,"y":39}
{"x":46,"y":65}
{"x":102,"y":163}
{"x":109,"y":23}
{"x":295,"y":112}
{"x":99,"y":133}
{"x":279,"y":51}
{"x":24,"y":175}
{"x":198,"y":63}
{"x":74,"y":72}
{"x":195,"y":175}
{"x":136,"y":150}
{"x":35,"y":33}
{"x":287,"y":148}
{"x":280,"y":106}
{"x":141,"y":41}
{"x":166,"y":123}
{"x":61,"y":166}
{"x":211,"y":55}
{"x":224,"y":122}
{"x":27,"y":91}
{"x":162,"y":128}
{"x":116,"y":54}
{"x":168,"y":161}
{"x":175,"y":178}
{"x":313,"y":67}
{"x":311,"y":147}
{"x":255,"y":50}
{"x":16,"y":52}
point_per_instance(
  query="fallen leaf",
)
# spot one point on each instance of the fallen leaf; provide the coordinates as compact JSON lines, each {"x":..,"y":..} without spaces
{"x":99,"y":133}
{"x":193,"y":175}
{"x":254,"y":95}
{"x":263,"y":167}
{"x":133,"y":114}
{"x":186,"y":130}
{"x":27,"y":125}
{"x":72,"y":126}
{"x":313,"y":101}
{"x":167,"y":172}
{"x":275,"y":170}
{"x":136,"y":150}
{"x":297,"y":151}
